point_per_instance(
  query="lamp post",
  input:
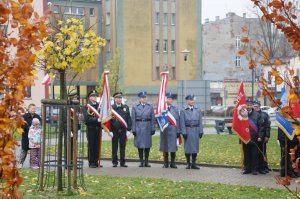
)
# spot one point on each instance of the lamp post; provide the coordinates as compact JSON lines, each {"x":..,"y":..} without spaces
{"x":185,"y":54}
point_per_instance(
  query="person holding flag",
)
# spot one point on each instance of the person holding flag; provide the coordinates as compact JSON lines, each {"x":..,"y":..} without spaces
{"x":120,"y":123}
{"x":256,"y":134}
{"x":262,"y":154}
{"x":143,"y":128}
{"x":93,"y":129}
{"x":172,"y":132}
{"x":192,"y":130}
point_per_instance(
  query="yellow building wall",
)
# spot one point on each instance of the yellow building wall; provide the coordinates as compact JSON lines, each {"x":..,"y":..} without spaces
{"x":187,"y":38}
{"x":138,"y":43}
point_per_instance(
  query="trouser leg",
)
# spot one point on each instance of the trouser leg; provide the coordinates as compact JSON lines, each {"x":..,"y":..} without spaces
{"x":23,"y":156}
{"x":188,"y":160}
{"x":114,"y":146}
{"x":122,"y":141}
{"x":147,"y":152}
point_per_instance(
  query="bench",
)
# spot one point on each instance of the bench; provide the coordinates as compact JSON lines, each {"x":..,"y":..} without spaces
{"x":219,"y":126}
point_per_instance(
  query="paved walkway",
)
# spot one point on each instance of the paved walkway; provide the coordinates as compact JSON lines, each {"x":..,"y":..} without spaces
{"x":230,"y":176}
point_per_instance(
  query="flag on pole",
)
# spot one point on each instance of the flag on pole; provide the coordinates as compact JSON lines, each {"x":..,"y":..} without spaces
{"x":240,"y":123}
{"x":48,"y":79}
{"x":161,"y":106}
{"x":105,"y":105}
{"x":285,"y":126}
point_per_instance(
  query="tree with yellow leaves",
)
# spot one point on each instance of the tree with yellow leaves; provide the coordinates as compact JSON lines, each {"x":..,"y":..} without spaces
{"x":70,"y":48}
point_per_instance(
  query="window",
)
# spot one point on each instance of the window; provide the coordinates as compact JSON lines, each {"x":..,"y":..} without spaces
{"x":157,"y":18}
{"x":157,"y":45}
{"x":173,"y":46}
{"x":55,"y":9}
{"x":73,"y":10}
{"x":108,"y":18}
{"x":67,"y":10}
{"x":173,"y":75}
{"x":28,"y":90}
{"x":165,"y":48}
{"x":157,"y":72}
{"x":237,"y":42}
{"x":92,"y":11}
{"x":165,"y":19}
{"x":173,"y":19}
{"x":237,"y":61}
{"x":269,"y":77}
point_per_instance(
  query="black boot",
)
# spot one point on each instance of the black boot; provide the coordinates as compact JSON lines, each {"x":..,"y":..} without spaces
{"x":166,"y":160}
{"x":141,"y":158}
{"x":173,"y":165}
{"x":194,"y":157}
{"x":147,"y":151}
{"x":188,"y":160}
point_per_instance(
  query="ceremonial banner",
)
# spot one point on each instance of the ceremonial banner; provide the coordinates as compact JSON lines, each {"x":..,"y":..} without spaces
{"x":240,"y":123}
{"x":105,"y":105}
{"x":285,"y":126}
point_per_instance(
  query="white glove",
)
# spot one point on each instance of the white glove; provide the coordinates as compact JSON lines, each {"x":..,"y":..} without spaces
{"x":71,"y":134}
{"x":99,"y":120}
{"x":128,"y":133}
{"x":111,"y":134}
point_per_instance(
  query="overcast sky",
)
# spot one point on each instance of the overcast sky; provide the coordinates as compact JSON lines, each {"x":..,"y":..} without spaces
{"x":213,"y":8}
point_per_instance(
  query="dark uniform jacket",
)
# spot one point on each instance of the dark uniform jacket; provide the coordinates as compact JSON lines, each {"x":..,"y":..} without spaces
{"x":266,"y":123}
{"x":256,"y":118}
{"x":91,"y":119}
{"x":28,"y":119}
{"x":123,"y":111}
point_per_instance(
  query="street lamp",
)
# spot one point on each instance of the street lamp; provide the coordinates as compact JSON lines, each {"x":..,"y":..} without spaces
{"x":185,"y":53}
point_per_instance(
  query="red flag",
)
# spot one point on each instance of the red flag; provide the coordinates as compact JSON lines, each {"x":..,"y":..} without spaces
{"x":105,"y":106}
{"x":240,"y":123}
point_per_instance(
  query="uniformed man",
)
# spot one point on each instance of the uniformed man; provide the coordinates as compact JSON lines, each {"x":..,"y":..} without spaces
{"x":263,"y":164}
{"x":192,"y":130}
{"x":93,"y":131}
{"x":120,"y":123}
{"x":143,"y":128}
{"x":168,"y":141}
{"x":257,"y":133}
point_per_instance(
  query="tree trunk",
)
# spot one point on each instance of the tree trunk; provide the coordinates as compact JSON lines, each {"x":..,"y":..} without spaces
{"x":63,"y":96}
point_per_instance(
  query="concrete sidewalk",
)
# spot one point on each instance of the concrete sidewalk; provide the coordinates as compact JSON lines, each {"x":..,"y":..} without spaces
{"x":229,"y":176}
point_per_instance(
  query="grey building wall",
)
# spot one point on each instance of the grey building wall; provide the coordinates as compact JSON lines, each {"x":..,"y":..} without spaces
{"x":220,"y":50}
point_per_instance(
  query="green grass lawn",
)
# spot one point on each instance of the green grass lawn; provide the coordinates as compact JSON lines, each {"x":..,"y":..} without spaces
{"x":214,"y":149}
{"x":124,"y":187}
{"x":220,"y":149}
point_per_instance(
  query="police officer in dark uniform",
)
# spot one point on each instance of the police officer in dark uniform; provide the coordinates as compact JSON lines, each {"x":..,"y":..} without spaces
{"x":192,"y":130}
{"x":119,"y":129}
{"x":143,"y":128}
{"x":168,"y":141}
{"x":93,"y":131}
{"x":257,"y":134}
{"x":263,"y":164}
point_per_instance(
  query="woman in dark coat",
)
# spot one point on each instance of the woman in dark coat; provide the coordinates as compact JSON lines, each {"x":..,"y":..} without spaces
{"x":28,"y":117}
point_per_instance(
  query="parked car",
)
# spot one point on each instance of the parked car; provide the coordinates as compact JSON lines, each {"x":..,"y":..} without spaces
{"x":273,"y":111}
{"x":265,"y":108}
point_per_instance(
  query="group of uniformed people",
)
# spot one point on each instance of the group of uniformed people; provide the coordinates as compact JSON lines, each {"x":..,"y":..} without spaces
{"x":141,"y":122}
{"x":255,"y":156}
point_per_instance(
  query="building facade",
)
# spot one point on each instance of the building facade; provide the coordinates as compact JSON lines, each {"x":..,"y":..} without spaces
{"x":151,"y":35}
{"x":221,"y":44}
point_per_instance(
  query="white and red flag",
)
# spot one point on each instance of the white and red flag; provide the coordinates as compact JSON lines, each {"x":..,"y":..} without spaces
{"x":48,"y":79}
{"x":105,"y":105}
{"x":161,"y":106}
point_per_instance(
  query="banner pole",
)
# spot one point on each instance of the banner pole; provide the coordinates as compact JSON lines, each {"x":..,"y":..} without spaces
{"x":242,"y":154}
{"x":100,"y":147}
{"x":286,"y":154}
{"x":165,"y":147}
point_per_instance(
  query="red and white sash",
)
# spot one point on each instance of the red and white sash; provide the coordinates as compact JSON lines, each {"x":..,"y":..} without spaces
{"x":171,"y":119}
{"x":92,"y":109}
{"x":119,"y":118}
